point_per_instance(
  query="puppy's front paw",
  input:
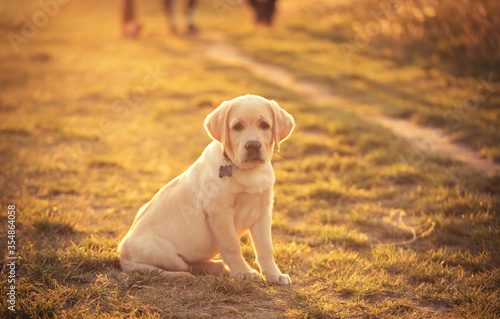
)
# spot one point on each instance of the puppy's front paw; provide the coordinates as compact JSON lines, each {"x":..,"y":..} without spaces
{"x":278,"y":279}
{"x":246,"y":274}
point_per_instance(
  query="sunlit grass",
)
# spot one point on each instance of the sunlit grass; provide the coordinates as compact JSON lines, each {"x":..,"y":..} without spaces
{"x":78,"y":165}
{"x":386,"y":75}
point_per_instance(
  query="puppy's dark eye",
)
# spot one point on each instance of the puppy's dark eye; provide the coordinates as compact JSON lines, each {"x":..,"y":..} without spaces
{"x":238,"y":127}
{"x":264,"y":126}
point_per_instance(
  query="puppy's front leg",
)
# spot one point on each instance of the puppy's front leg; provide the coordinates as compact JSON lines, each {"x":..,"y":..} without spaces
{"x":261,"y":238}
{"x":221,"y":224}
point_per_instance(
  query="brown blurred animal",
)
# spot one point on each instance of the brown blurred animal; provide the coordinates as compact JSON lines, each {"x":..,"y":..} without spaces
{"x":264,"y":11}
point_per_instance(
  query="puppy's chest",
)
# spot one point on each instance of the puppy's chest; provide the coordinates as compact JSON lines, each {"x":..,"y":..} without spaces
{"x":248,"y":208}
{"x":252,"y":182}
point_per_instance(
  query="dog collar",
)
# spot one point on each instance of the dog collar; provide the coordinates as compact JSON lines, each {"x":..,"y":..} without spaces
{"x":226,"y":170}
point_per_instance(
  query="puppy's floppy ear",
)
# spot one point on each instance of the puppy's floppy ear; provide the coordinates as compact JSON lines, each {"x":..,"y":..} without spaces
{"x":216,"y":123}
{"x":283,"y":124}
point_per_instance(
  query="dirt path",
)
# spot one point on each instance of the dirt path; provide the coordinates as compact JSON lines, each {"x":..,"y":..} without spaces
{"x":426,"y":140}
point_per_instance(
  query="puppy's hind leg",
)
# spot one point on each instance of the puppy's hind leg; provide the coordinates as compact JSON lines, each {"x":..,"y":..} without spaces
{"x":152,"y":253}
{"x":131,"y":267}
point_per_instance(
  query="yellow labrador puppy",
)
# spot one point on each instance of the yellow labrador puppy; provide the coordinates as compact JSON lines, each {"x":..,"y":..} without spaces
{"x":225,"y":193}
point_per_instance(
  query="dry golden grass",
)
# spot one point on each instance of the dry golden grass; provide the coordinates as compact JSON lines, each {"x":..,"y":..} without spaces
{"x":79,"y":154}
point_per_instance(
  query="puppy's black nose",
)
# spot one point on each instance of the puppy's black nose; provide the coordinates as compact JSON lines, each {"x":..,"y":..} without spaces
{"x":252,"y":146}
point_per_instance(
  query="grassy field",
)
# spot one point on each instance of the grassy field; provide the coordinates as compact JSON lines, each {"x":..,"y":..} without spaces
{"x":343,"y":44}
{"x":92,"y":125}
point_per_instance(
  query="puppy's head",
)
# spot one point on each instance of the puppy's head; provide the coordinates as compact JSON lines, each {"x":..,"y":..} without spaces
{"x":248,"y":127}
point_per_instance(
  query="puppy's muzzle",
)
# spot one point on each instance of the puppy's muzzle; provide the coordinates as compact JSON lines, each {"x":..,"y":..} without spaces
{"x":253,"y":151}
